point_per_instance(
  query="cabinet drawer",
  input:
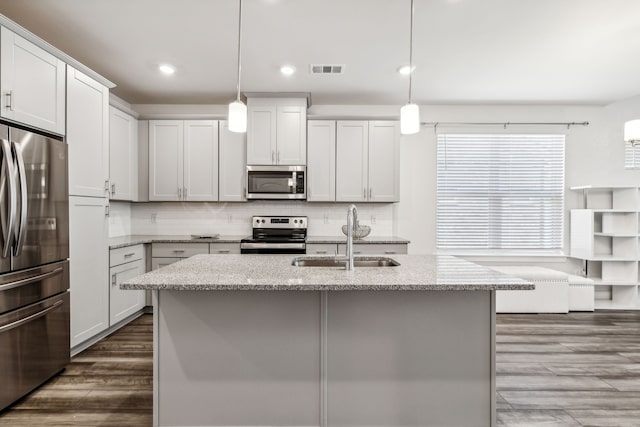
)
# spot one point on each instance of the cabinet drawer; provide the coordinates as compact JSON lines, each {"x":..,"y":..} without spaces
{"x":374,"y":249}
{"x":224,"y":248}
{"x":126,"y":254}
{"x":157,"y":263}
{"x":178,"y":250}
{"x":322,"y":249}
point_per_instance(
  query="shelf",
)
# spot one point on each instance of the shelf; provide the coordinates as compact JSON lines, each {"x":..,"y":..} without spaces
{"x":598,"y":188}
{"x":610,"y":305}
{"x":616,"y":234}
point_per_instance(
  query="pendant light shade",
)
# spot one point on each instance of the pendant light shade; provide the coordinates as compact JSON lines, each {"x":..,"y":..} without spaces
{"x":409,"y":119}
{"x":410,"y":113}
{"x":237,"y":110}
{"x":237,"y":117}
{"x":632,"y":132}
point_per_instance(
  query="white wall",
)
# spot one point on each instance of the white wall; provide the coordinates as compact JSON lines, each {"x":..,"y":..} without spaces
{"x":594,"y":155}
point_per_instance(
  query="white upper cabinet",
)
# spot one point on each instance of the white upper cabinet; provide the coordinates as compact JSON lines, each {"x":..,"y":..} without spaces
{"x":232,"y":165}
{"x":367,"y":161}
{"x":277,"y":131}
{"x":87,"y":135}
{"x":352,"y":169}
{"x":123,"y":155}
{"x":384,"y":161}
{"x":183,"y":160}
{"x":31,"y":84}
{"x":200,"y":160}
{"x":321,"y":167}
{"x":166,"y":145}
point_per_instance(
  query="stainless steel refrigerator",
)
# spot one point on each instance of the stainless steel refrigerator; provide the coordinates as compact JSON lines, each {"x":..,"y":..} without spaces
{"x":34,"y":266}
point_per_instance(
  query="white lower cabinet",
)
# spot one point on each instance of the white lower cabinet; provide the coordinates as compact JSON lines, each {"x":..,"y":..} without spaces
{"x":328,"y":249}
{"x":224,"y":248}
{"x":89,"y":267}
{"x":163,"y":254}
{"x":125,"y":266}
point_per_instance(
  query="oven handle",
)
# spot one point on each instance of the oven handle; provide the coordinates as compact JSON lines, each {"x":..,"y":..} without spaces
{"x":272,"y":245}
{"x":30,"y":318}
{"x":30,"y":279}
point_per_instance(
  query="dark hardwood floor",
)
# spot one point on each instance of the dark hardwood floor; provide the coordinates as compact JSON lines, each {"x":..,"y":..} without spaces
{"x":580,"y":369}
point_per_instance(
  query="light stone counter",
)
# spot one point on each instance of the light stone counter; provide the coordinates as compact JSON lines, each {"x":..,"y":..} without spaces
{"x":275,"y":272}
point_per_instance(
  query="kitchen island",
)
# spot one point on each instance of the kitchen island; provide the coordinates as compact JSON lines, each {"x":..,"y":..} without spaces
{"x":251,"y":340}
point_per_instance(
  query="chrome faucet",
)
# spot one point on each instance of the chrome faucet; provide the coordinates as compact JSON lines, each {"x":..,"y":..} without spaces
{"x":352,"y":226}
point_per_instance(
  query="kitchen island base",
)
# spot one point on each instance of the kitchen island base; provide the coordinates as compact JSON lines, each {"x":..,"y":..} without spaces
{"x":324,"y":358}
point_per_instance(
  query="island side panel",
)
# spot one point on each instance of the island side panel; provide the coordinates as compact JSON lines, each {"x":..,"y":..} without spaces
{"x":246,"y":358}
{"x":409,"y":358}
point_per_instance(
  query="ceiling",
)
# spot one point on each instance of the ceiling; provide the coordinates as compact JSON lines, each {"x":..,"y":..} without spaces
{"x":465,"y":51}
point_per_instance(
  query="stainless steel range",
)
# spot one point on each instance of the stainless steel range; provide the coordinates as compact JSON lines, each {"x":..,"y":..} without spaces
{"x":276,"y":235}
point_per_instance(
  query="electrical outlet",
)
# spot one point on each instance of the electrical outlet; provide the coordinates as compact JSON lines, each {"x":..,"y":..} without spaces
{"x":154,"y":218}
{"x":373,"y":219}
{"x":326,"y":219}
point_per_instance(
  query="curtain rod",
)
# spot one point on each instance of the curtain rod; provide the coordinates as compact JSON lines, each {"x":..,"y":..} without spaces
{"x":504,"y":124}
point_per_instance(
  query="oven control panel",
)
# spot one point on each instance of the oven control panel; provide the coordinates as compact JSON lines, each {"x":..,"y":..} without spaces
{"x":279,"y":222}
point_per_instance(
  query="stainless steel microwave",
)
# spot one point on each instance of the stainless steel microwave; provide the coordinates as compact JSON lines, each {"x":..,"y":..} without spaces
{"x":276,"y":182}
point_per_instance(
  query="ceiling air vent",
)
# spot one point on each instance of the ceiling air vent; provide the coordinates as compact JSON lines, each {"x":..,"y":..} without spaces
{"x":327,"y":68}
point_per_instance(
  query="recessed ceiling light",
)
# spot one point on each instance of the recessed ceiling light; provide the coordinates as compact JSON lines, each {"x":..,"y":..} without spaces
{"x":287,"y":70}
{"x":167,"y":69}
{"x":405,"y":70}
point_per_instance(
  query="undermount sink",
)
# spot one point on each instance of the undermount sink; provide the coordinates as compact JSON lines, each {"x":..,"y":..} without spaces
{"x":341,"y":262}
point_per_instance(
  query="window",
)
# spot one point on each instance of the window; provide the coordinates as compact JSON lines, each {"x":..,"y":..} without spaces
{"x":500,"y":191}
{"x":631,"y":156}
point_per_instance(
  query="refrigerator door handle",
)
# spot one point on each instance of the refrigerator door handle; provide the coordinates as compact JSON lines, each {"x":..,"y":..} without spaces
{"x":23,"y":199}
{"x":7,"y":165}
{"x":33,"y":279}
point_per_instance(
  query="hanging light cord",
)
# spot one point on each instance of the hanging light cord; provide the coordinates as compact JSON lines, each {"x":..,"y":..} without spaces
{"x":239,"y":45}
{"x":410,"y":50}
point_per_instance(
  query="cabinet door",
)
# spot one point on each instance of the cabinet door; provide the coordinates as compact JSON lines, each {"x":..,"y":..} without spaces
{"x":31,"y":84}
{"x":123,"y":303}
{"x":261,"y":135}
{"x":291,"y":135}
{"x":89,"y":267}
{"x":321,"y":167}
{"x":352,"y":139}
{"x":200,"y":160}
{"x":384,"y":161}
{"x":165,"y":160}
{"x":123,"y":155}
{"x":87,"y":135}
{"x":232,"y":164}
{"x":157,"y":263}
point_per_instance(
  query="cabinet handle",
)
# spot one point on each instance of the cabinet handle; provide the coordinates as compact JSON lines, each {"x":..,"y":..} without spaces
{"x":278,"y":156}
{"x":390,"y":252}
{"x":113,"y":280}
{"x":178,"y":251}
{"x":107,"y":211}
{"x":179,"y":193}
{"x":224,"y":251}
{"x":113,"y":189}
{"x":370,"y":193}
{"x":130,"y":254}
{"x":9,"y":96}
{"x":106,"y":185}
{"x":321,"y":252}
{"x":364,"y":193}
{"x":273,"y":156}
{"x":357,"y":252}
{"x":184,"y":193}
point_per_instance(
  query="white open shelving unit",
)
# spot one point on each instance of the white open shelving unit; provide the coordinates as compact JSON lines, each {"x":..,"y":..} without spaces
{"x":606,"y":236}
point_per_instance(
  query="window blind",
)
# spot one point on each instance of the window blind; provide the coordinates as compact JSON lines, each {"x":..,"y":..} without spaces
{"x":631,"y":156}
{"x":500,"y":191}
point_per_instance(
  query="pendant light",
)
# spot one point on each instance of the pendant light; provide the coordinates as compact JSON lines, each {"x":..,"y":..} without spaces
{"x":410,"y":113}
{"x":632,"y":132}
{"x":237,"y":109}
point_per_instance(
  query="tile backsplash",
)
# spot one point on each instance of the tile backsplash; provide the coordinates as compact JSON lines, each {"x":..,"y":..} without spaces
{"x":235,"y":218}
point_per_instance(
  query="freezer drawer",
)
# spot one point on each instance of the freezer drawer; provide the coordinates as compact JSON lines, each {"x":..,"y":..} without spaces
{"x":28,"y":286}
{"x":34,"y":346}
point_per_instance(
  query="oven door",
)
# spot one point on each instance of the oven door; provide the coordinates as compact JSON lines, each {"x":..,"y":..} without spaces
{"x":276,"y":182}
{"x":272,"y":248}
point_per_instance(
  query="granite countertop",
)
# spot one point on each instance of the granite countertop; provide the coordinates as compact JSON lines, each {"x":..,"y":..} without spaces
{"x":275,"y":272}
{"x":124,"y":241}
